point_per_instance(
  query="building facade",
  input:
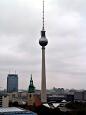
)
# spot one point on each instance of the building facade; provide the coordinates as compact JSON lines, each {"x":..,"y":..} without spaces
{"x":13,"y":97}
{"x":4,"y":100}
{"x":12,"y":83}
{"x":80,"y":96}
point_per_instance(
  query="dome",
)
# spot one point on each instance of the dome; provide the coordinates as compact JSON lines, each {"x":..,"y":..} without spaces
{"x":43,"y":41}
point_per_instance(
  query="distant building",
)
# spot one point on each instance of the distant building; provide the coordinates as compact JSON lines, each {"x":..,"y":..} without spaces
{"x":31,"y":91}
{"x":12,"y":83}
{"x":79,"y":96}
{"x":22,"y":95}
{"x":85,"y":95}
{"x":13,"y":97}
{"x":69,"y":97}
{"x":60,"y":91}
{"x":4,"y":100}
{"x":57,"y":91}
{"x":15,"y":111}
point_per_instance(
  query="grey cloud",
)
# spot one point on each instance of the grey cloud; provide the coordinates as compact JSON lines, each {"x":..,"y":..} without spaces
{"x":65,"y":24}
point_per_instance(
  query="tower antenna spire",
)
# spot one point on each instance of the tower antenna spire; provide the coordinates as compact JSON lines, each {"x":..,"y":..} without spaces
{"x":43,"y":15}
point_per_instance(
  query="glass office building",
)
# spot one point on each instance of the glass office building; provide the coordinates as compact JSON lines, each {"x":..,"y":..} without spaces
{"x":12,"y":83}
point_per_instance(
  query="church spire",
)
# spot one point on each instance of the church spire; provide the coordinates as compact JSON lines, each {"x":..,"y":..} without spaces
{"x":31,"y":81}
{"x":31,"y":86}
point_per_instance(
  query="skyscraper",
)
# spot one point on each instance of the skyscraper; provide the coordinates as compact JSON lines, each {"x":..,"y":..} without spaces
{"x":43,"y":42}
{"x":12,"y":83}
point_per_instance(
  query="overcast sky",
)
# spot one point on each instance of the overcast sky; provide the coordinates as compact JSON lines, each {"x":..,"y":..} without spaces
{"x":65,"y":24}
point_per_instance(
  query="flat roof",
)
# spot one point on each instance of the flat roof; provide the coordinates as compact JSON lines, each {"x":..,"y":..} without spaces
{"x":10,"y":109}
{"x":15,"y":111}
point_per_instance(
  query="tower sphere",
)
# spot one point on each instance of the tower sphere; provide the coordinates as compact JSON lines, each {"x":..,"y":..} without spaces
{"x":43,"y":40}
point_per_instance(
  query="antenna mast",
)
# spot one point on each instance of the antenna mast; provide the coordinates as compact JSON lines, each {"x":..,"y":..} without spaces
{"x":43,"y":15}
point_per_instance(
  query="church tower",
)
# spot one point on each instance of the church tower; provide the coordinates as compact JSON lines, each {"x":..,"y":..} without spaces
{"x":31,"y":91}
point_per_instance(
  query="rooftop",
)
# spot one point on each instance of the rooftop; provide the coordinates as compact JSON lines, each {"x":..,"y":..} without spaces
{"x":10,"y":109}
{"x":15,"y":111}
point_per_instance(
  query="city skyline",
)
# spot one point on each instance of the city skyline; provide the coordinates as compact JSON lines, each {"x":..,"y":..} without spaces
{"x":65,"y":23}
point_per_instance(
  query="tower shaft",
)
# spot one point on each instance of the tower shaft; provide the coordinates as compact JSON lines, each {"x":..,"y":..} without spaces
{"x":43,"y":80}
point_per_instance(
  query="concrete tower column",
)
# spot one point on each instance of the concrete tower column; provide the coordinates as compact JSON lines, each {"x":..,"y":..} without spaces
{"x":43,"y":80}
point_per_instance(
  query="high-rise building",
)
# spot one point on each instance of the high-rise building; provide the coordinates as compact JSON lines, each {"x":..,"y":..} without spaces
{"x":12,"y":83}
{"x":43,"y":42}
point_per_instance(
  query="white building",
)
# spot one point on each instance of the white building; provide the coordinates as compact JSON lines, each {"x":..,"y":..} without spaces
{"x":13,"y":97}
{"x":4,"y":100}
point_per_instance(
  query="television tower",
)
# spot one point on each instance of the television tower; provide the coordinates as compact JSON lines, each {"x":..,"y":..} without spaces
{"x":43,"y":42}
